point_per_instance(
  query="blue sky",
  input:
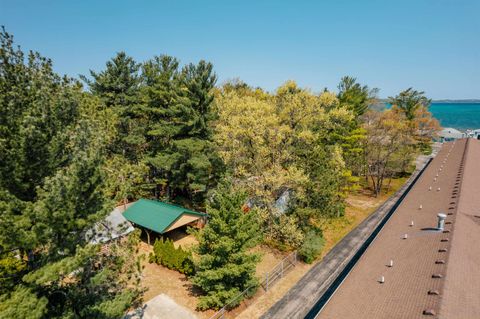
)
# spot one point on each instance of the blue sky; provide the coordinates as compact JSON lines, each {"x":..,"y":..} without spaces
{"x":432,"y":45}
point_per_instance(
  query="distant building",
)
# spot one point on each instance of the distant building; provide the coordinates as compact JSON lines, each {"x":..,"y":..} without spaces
{"x":476,"y":134}
{"x":450,"y":134}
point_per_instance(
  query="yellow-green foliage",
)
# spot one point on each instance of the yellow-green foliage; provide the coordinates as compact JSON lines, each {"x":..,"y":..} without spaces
{"x":11,"y":266}
{"x":267,"y":142}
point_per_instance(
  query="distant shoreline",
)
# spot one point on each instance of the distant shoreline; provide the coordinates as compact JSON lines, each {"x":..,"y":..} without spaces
{"x":466,"y":101}
{"x":473,"y":101}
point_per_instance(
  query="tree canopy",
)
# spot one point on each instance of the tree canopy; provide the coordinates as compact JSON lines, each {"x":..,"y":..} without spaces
{"x":409,"y":101}
{"x":272,"y":163}
{"x":53,"y":145}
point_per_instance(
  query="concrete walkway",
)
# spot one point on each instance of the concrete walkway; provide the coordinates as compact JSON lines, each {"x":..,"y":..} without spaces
{"x":302,"y":297}
{"x":161,"y":307}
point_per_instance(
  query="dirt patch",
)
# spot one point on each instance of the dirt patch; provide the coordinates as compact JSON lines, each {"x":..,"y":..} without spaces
{"x":181,"y":238}
{"x":161,"y":280}
{"x":269,"y":258}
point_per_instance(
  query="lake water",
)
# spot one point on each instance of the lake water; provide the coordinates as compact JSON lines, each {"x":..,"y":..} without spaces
{"x":461,"y":116}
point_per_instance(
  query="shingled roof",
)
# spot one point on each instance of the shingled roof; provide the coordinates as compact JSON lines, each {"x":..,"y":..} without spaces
{"x":434,"y":273}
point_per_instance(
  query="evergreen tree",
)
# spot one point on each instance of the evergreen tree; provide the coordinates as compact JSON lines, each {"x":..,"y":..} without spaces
{"x":177,"y":106}
{"x":355,"y":97}
{"x":225,"y":268}
{"x":35,"y":104}
{"x":53,"y":146}
{"x":118,"y":86}
{"x":409,"y":102}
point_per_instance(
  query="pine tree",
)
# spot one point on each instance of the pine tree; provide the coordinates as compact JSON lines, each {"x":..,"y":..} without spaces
{"x":177,"y":106}
{"x":409,"y":101}
{"x":225,"y":268}
{"x":35,"y":104}
{"x":355,"y":97}
{"x":53,"y":145}
{"x":118,"y":86}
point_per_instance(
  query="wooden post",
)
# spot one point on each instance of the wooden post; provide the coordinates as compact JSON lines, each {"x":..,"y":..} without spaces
{"x":148,"y":236}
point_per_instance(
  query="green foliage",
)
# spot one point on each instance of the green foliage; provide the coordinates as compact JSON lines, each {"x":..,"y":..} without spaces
{"x":36,"y":105}
{"x":225,"y":268}
{"x":22,"y":303}
{"x":53,"y":146}
{"x":312,"y":246}
{"x":323,"y":189}
{"x":165,"y":253}
{"x":271,"y":144}
{"x":11,"y":267}
{"x":163,"y":125}
{"x":355,"y":97}
{"x":156,"y":129}
{"x":409,"y":101}
{"x":177,"y":107}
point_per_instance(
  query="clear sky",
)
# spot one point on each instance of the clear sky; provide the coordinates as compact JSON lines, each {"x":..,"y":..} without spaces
{"x":432,"y":45}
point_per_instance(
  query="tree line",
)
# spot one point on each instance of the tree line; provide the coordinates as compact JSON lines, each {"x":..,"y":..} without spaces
{"x":265,"y":166}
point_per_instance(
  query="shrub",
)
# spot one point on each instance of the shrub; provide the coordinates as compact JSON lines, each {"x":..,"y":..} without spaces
{"x":312,"y":246}
{"x":165,"y":253}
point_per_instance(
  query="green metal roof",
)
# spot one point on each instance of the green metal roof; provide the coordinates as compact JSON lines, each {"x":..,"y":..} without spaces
{"x":155,"y":215}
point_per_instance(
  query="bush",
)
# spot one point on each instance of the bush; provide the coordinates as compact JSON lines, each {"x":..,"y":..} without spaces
{"x":165,"y":253}
{"x":312,"y":246}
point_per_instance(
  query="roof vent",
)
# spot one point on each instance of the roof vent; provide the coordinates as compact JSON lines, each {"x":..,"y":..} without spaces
{"x":433,"y":292}
{"x":441,"y":221}
{"x":381,"y":279}
{"x":429,"y":312}
{"x":437,"y":276}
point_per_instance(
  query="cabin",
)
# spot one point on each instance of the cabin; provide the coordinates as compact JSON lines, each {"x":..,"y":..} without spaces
{"x":161,"y":218}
